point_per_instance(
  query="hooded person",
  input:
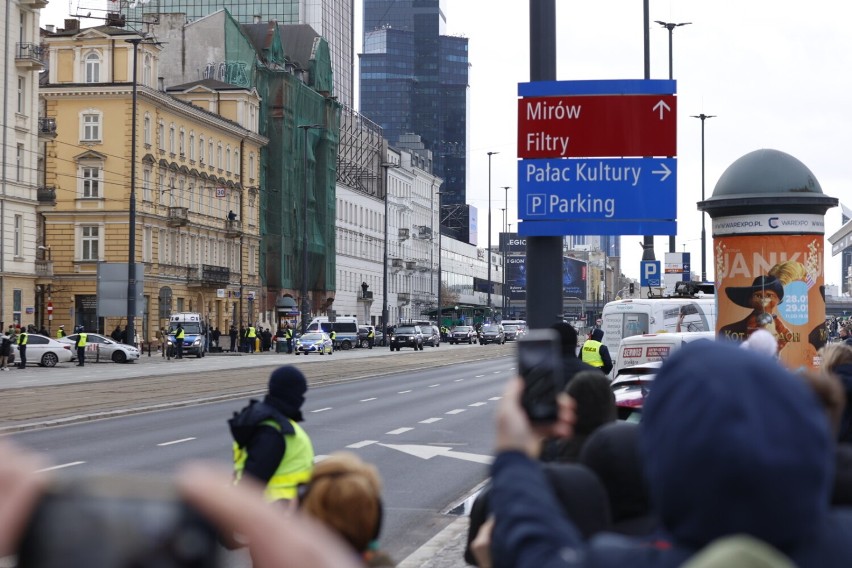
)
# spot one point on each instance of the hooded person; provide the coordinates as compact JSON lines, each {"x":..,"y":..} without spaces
{"x":269,"y":444}
{"x":732,"y":443}
{"x":595,"y":353}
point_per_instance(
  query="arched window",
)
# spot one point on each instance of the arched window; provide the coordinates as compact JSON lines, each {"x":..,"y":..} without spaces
{"x":93,"y":68}
{"x":147,"y":70}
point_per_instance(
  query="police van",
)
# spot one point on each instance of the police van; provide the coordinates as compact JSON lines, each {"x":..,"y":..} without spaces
{"x":649,"y":347}
{"x":345,"y":328}
{"x":193,"y":328}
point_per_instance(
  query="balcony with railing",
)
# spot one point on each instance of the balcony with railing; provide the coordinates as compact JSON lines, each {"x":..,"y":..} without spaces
{"x":47,"y":127}
{"x":365,"y":296}
{"x":209,"y":276}
{"x":233,"y":228}
{"x":34,"y":3}
{"x":28,"y":56}
{"x":44,"y":268}
{"x":46,"y":195}
{"x":178,"y":216}
{"x":403,"y":298}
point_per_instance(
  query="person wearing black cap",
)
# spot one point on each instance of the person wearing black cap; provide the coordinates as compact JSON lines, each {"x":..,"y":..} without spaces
{"x":269,"y":444}
{"x":763,"y":298}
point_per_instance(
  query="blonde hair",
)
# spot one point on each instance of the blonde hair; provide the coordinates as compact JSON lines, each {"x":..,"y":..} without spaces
{"x":345,"y":494}
{"x":834,"y":355}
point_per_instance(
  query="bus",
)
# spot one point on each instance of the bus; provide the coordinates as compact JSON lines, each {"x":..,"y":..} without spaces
{"x":625,"y":318}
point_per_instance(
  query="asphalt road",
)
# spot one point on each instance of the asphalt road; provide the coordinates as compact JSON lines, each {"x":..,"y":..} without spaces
{"x":423,"y":418}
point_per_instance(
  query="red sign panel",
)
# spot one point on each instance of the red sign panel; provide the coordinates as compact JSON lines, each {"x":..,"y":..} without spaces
{"x":597,"y":126}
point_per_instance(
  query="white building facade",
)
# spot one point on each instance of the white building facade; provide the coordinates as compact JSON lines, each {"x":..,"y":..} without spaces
{"x":20,"y":165}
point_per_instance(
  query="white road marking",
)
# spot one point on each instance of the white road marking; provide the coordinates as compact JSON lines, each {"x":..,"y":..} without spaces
{"x":398,"y":431}
{"x":478,"y":404}
{"x":368,"y":399}
{"x":495,"y":398}
{"x":403,"y":392}
{"x":496,"y":372}
{"x":361,"y":444}
{"x":430,"y":420}
{"x":477,"y":376}
{"x":176,"y":441}
{"x":322,"y":409}
{"x":456,"y":411}
{"x":429,"y":452}
{"x":458,"y":380}
{"x":433,"y":386}
{"x":63,"y":466}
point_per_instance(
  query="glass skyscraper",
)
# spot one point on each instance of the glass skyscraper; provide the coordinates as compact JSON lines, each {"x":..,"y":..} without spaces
{"x":332,"y":19}
{"x":414,"y":80}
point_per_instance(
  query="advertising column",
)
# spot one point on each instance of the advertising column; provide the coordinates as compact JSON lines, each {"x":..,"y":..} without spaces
{"x":768,"y":247}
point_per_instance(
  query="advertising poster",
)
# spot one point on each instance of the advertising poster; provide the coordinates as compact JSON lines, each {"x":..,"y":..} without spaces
{"x":516,"y":278}
{"x":574,"y":278}
{"x":774,"y":283}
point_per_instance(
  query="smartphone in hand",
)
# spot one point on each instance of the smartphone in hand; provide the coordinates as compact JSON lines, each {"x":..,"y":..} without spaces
{"x":540,"y":365}
{"x":112,"y":521}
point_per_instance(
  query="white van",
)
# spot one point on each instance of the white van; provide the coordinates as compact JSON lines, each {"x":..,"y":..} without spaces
{"x":641,"y":349}
{"x":624,"y":318}
{"x":345,"y":328}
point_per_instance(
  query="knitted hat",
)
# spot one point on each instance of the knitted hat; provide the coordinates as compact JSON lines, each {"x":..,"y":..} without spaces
{"x":288,"y":385}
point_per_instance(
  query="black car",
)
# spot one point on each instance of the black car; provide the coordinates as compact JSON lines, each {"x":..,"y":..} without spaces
{"x":462,"y":334}
{"x":407,"y":336}
{"x":492,"y":334}
{"x":431,"y":336}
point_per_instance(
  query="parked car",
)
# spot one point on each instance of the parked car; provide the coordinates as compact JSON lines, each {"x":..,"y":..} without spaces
{"x":314,"y":342}
{"x":407,"y":336}
{"x":44,"y":351}
{"x":363,"y":332}
{"x":492,"y":333}
{"x":631,"y":386}
{"x":107,"y":349}
{"x":462,"y":334}
{"x":431,"y":336}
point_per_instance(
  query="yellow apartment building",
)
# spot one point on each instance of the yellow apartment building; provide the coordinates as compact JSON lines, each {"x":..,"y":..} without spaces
{"x":196,"y":184}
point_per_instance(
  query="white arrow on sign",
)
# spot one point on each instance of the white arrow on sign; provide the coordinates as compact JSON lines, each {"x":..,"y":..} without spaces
{"x":429,"y":452}
{"x":662,"y":107}
{"x":665,"y":172}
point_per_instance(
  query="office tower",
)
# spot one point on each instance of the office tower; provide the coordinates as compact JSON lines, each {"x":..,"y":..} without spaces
{"x":332,"y":19}
{"x":414,"y":80}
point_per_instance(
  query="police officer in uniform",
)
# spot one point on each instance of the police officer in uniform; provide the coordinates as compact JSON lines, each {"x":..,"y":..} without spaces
{"x":82,"y":336}
{"x":595,"y":353}
{"x":371,"y":337}
{"x":269,"y":444}
{"x":333,"y":335}
{"x":180,"y":334}
{"x":60,"y":333}
{"x":23,"y":337}
{"x":251,"y":334}
{"x":288,"y":335}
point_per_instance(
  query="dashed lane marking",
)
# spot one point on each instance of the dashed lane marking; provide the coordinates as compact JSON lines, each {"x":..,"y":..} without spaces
{"x":404,"y":392}
{"x":433,"y":386}
{"x":63,"y":466}
{"x":430,"y":420}
{"x":322,"y":409}
{"x":458,"y":380}
{"x":176,"y":442}
{"x":478,"y":404}
{"x":496,"y":372}
{"x":456,"y":411}
{"x":399,"y":431}
{"x":495,"y":398}
{"x":362,"y":444}
{"x":367,"y":399}
{"x":478,"y":376}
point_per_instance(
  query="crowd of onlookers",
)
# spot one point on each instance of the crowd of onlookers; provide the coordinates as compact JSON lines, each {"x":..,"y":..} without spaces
{"x":737,"y":462}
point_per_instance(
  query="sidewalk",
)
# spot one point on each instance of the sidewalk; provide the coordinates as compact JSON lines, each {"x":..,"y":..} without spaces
{"x":444,"y":550}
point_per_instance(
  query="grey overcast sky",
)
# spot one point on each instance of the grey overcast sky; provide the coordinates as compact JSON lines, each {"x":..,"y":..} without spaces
{"x":776,"y":74}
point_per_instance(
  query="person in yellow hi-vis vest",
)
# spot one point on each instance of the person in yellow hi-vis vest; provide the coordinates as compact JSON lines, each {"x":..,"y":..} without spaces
{"x":251,"y":332}
{"x":269,"y":444}
{"x":82,"y":338}
{"x":595,"y":353}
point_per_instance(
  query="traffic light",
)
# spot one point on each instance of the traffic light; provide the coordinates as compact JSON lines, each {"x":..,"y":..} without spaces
{"x":632,"y":287}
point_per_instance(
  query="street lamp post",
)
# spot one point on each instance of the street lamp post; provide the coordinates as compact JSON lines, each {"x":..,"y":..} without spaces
{"x":305,"y":307}
{"x":505,"y":277}
{"x":503,"y":254}
{"x":440,"y":276}
{"x":703,"y":117}
{"x":671,"y":26}
{"x":505,"y":220}
{"x":130,"y":331}
{"x":489,"y":229}
{"x":385,"y":166}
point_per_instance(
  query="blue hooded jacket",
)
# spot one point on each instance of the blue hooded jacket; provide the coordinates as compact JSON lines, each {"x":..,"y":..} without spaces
{"x":732,"y":443}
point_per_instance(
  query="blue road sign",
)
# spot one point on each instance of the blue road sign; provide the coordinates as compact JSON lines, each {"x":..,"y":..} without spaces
{"x":650,"y":273}
{"x":595,"y":227}
{"x":597,"y":188}
{"x":598,"y":87}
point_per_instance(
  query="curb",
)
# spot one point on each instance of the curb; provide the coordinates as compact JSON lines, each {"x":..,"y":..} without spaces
{"x":444,"y":550}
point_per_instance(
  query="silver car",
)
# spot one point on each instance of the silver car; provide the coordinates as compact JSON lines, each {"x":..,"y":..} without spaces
{"x":103,"y":348}
{"x":43,"y":351}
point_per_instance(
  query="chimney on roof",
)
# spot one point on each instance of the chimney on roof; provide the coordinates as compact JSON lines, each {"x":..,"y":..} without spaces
{"x":72,"y":24}
{"x":50,"y":28}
